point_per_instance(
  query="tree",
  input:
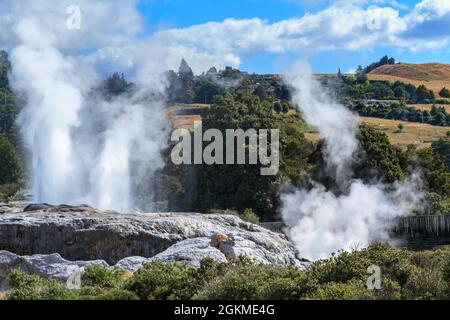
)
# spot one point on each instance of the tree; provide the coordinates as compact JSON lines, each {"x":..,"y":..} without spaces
{"x":174,"y":91}
{"x":433,"y":168}
{"x":185,"y":72}
{"x":380,"y":158}
{"x":400,"y":127}
{"x":361,"y":75}
{"x":212,"y":72}
{"x":285,"y":108}
{"x":261,"y":93}
{"x":10,"y":164}
{"x":238,"y":187}
{"x":401,"y":94}
{"x":277,"y":106}
{"x":444,"y":93}
{"x":5,"y":68}
{"x":384,"y":60}
{"x":115,"y":85}
{"x":442,"y":147}
{"x":423,"y":93}
{"x":189,"y":94}
{"x":206,"y":90}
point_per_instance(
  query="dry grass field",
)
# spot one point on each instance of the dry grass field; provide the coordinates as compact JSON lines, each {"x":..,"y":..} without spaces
{"x":421,"y":135}
{"x":418,"y":134}
{"x":434,"y":76}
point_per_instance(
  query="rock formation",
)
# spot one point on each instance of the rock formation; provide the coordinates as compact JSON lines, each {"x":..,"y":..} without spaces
{"x":45,"y":239}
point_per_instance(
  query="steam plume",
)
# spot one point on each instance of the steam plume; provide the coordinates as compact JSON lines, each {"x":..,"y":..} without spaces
{"x":320,"y":222}
{"x":84,"y":149}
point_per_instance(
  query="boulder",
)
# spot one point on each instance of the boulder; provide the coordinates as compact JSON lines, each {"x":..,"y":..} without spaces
{"x":51,"y":266}
{"x":13,"y":207}
{"x":191,"y":252}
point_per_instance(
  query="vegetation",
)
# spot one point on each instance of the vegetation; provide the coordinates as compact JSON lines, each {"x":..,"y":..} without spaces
{"x":11,"y":164}
{"x":383,"y":61}
{"x":444,"y":93}
{"x":398,"y":111}
{"x":207,"y":188}
{"x":404,"y":275}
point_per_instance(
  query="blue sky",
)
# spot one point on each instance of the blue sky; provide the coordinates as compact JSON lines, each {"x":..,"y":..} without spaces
{"x":163,"y":14}
{"x":262,"y":36}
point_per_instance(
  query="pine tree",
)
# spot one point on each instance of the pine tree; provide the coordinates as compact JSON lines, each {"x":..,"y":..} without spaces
{"x":185,"y":72}
{"x":444,"y":93}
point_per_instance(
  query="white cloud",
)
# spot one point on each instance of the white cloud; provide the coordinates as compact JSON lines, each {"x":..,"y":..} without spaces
{"x":109,"y":35}
{"x":103,"y":22}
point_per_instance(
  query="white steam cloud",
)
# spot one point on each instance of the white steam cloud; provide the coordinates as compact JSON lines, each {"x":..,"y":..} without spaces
{"x":84,"y":148}
{"x":321,"y":222}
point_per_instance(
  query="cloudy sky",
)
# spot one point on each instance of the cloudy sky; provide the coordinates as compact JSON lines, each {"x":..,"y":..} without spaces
{"x":256,"y":35}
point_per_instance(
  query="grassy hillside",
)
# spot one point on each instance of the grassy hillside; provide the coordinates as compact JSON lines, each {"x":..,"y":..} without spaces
{"x":421,"y":135}
{"x":434,"y":76}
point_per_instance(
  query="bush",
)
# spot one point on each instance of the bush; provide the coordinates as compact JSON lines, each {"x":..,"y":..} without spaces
{"x":158,"y":280}
{"x":53,"y":290}
{"x":97,"y":276}
{"x":425,"y":284}
{"x":404,"y":275}
{"x":352,"y":290}
{"x":115,"y":294}
{"x":23,"y":286}
{"x":442,"y":101}
{"x":245,"y":280}
{"x":250,"y":216}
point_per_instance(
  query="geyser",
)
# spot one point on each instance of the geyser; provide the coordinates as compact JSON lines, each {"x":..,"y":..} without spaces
{"x":321,"y":222}
{"x":84,"y":148}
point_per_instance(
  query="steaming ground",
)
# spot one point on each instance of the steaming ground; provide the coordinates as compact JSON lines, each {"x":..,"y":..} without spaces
{"x":320,"y":222}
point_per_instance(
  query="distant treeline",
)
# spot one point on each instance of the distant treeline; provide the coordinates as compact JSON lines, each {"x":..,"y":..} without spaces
{"x":398,"y":111}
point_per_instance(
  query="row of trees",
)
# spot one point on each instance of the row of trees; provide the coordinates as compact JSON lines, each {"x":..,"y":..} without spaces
{"x":398,"y":111}
{"x":359,"y":87}
{"x":383,"y":61}
{"x":353,"y":89}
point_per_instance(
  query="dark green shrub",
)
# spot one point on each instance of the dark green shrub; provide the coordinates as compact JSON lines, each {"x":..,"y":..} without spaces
{"x":158,"y":280}
{"x":425,"y":284}
{"x":53,"y":290}
{"x":23,"y":286}
{"x":115,"y":294}
{"x":357,"y":290}
{"x":250,"y":216}
{"x":245,"y":280}
{"x":97,"y":276}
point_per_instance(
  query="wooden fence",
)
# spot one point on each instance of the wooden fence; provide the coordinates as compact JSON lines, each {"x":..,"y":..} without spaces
{"x":428,"y":226}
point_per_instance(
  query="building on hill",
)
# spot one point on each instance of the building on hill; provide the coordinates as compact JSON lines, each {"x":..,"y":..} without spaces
{"x":382,"y":102}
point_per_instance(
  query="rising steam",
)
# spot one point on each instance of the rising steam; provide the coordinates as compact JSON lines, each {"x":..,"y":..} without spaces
{"x":320,"y":222}
{"x":84,"y":149}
